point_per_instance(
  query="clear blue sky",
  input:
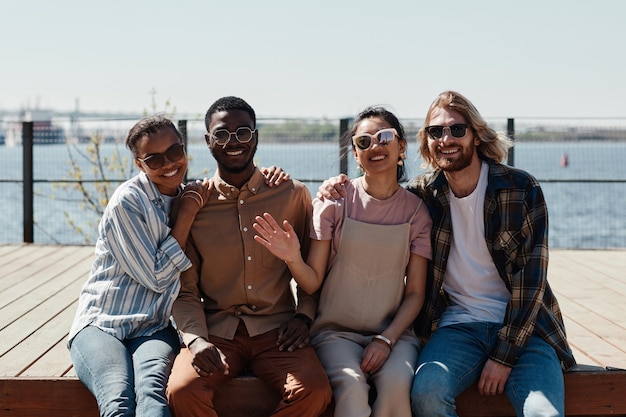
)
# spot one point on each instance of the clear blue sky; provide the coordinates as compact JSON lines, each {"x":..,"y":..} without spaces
{"x":316,"y":58}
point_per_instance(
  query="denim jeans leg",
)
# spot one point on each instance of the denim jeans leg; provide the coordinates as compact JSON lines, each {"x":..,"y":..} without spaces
{"x":535,"y":386}
{"x":153,"y":357}
{"x":450,"y":362}
{"x":104,"y":365}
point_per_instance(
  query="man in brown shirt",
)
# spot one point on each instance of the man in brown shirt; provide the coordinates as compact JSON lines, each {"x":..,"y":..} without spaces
{"x":236,"y":309}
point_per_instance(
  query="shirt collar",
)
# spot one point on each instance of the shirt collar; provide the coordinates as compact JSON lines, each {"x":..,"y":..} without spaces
{"x":229,"y":191}
{"x":500,"y":176}
{"x":151,"y":189}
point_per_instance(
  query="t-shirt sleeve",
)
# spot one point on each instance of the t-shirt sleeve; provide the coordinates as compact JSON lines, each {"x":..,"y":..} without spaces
{"x":420,"y":232}
{"x":324,"y":219}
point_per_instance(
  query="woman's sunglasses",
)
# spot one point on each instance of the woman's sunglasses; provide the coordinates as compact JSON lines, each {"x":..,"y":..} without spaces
{"x":157,"y":160}
{"x":384,"y":136}
{"x":457,"y":130}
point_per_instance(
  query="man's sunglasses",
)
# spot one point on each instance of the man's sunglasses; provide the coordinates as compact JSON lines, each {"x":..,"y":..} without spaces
{"x":157,"y":160}
{"x":243,"y":135}
{"x":457,"y":130}
{"x":384,"y":136}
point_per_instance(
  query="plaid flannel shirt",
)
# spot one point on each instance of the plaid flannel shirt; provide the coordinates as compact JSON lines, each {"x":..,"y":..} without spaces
{"x":516,"y":234}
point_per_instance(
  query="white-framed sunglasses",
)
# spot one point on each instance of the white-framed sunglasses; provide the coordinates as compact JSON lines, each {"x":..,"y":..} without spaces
{"x":384,"y":136}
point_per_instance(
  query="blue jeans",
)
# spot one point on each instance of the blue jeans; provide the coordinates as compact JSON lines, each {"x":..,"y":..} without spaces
{"x":453,"y":359}
{"x":128,"y":378}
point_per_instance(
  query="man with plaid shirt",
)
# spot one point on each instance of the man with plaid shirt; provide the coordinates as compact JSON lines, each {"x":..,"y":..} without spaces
{"x":489,"y":315}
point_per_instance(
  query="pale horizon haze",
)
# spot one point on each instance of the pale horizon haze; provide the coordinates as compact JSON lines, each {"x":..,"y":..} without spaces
{"x":318,"y":59}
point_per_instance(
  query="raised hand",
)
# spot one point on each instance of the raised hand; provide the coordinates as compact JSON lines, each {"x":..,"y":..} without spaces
{"x":283,"y":243}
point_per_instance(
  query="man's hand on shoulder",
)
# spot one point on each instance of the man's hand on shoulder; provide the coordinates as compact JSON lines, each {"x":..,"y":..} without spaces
{"x":332,"y":188}
{"x":274,"y":176}
{"x":294,"y":333}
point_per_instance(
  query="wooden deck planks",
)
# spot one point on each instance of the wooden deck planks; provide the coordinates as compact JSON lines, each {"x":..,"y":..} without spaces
{"x":591,"y":289}
{"x":24,"y":272}
{"x":27,"y":295}
{"x":22,"y":264}
{"x":41,"y":314}
{"x":39,"y":290}
{"x":39,"y":286}
{"x":55,"y":362}
{"x":30,"y":349}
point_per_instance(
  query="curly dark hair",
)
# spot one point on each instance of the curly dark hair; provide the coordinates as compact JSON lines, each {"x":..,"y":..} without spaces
{"x":229,"y":103}
{"x":148,"y":126}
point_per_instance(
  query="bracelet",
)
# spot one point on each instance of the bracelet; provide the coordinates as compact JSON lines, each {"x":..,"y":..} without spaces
{"x":196,"y":193}
{"x":193,"y":198}
{"x":186,"y":193}
{"x":194,"y":341}
{"x":383,"y":339}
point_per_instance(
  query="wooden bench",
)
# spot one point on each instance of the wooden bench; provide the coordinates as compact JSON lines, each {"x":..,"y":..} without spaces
{"x":589,"y":391}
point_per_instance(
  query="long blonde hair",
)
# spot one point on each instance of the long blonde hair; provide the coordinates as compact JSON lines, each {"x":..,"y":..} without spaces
{"x":493,"y":145}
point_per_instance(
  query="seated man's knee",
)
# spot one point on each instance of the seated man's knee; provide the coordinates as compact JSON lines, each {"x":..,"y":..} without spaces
{"x":179,"y":388}
{"x":431,"y":389}
{"x":538,"y":405}
{"x":175,"y":390}
{"x":316,"y":388}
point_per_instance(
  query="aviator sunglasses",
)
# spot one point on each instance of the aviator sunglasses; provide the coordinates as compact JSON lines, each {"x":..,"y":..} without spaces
{"x":384,"y":136}
{"x":457,"y":130}
{"x":157,"y":160}
{"x":242,"y":134}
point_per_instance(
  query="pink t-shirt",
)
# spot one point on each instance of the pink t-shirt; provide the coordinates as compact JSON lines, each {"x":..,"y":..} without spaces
{"x":398,"y":209}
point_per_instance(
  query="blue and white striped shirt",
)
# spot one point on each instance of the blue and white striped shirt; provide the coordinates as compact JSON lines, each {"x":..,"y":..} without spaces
{"x":134,"y":279}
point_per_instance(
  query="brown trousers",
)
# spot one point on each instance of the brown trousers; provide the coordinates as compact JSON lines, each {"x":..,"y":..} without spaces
{"x":297,"y":375}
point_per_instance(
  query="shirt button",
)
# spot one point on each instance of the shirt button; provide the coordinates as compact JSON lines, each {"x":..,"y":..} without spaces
{"x":253,"y":189}
{"x":238,"y":313}
{"x":249,"y":287}
{"x":245,"y":229}
{"x":253,"y":307}
{"x":240,"y":201}
{"x":249,"y":258}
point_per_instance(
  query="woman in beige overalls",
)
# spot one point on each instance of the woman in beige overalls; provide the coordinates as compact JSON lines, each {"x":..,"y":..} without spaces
{"x":370,"y":251}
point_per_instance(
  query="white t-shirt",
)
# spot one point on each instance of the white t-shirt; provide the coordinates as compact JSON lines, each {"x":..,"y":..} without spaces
{"x":476,"y":291}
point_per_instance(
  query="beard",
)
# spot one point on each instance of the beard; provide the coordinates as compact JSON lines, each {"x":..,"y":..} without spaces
{"x":227,"y":166}
{"x":458,"y":163}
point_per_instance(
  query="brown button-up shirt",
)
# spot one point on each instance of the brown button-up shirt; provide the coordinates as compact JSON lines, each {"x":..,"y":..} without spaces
{"x":233,"y":277}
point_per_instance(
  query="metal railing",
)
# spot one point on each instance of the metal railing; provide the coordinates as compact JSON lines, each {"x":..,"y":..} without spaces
{"x":591,"y":184}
